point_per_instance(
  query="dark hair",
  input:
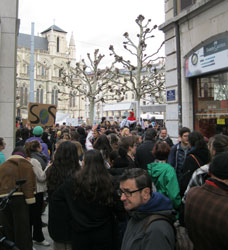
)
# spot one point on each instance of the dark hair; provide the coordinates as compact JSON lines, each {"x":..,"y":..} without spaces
{"x":124,"y":145}
{"x":161,"y":150}
{"x":1,"y":141}
{"x":102,"y":144}
{"x":25,"y":133}
{"x":74,"y":136}
{"x":141,"y":176}
{"x":44,"y":137}
{"x":150,"y":134}
{"x":220,"y":143}
{"x":65,"y":164}
{"x":93,"y":181}
{"x":184,"y":130}
{"x":19,"y":151}
{"x":31,"y":147}
{"x":196,"y":140}
{"x":81,"y":131}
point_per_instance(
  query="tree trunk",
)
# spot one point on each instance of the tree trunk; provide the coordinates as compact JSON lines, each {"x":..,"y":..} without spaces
{"x":91,"y":110}
{"x":138,"y":110}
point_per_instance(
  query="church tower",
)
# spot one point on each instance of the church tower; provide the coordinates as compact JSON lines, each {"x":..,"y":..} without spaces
{"x":72,"y":49}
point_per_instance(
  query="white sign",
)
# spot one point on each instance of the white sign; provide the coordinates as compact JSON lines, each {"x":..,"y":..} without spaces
{"x":72,"y":122}
{"x":211,"y":57}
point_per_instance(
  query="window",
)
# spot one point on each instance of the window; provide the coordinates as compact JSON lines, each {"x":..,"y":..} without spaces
{"x":43,"y":71}
{"x":23,"y":96}
{"x":39,"y":95}
{"x":54,"y":96}
{"x":182,"y":4}
{"x":57,"y":44}
{"x":72,"y":96}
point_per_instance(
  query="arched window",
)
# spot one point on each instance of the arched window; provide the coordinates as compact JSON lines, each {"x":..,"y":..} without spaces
{"x":54,"y":96}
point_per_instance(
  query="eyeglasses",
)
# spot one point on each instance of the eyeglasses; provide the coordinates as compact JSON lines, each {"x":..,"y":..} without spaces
{"x":128,"y":193}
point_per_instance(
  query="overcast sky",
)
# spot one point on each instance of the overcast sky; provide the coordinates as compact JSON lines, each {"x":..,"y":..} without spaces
{"x":94,"y":23}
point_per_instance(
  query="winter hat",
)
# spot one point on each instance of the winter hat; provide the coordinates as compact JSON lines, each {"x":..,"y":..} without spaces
{"x":38,"y":130}
{"x":219,"y":166}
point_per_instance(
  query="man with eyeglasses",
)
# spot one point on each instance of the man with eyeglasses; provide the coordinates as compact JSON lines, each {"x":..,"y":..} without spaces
{"x":137,"y":197}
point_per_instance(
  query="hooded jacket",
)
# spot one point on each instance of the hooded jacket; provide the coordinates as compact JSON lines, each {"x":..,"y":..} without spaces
{"x":44,"y":145}
{"x":165,"y":180}
{"x":159,"y":234}
{"x":132,"y":117}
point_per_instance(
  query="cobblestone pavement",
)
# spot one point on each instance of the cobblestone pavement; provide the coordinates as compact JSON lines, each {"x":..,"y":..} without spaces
{"x":46,"y":234}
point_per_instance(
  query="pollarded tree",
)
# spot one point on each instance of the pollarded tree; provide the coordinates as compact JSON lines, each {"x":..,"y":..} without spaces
{"x":145,"y":77}
{"x":95,"y":84}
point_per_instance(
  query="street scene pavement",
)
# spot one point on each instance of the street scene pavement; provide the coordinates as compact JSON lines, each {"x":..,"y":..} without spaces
{"x":46,"y":234}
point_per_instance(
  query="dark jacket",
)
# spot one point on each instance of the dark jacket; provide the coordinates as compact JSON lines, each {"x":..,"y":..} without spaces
{"x":90,"y":223}
{"x":44,"y":145}
{"x":125,"y":162}
{"x":159,"y":234}
{"x":206,"y":211}
{"x":176,"y":158}
{"x":167,"y":139}
{"x":144,"y":154}
{"x":202,"y":156}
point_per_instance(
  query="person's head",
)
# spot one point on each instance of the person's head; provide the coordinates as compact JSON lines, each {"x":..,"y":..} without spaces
{"x":163,"y":133}
{"x":196,"y":140}
{"x":127,"y":146}
{"x":93,"y":182}
{"x":79,"y":149}
{"x":32,"y":146}
{"x":74,"y":136}
{"x":161,"y":150}
{"x":44,"y":137}
{"x":103,"y":119}
{"x":25,"y":133}
{"x":219,"y":144}
{"x":102,"y":129}
{"x":218,"y":167}
{"x":65,"y":164}
{"x":150,"y":134}
{"x":112,"y":157}
{"x":19,"y":151}
{"x":81,"y":131}
{"x":2,"y":144}
{"x":102,"y":142}
{"x":96,"y":133}
{"x":135,"y":188}
{"x":125,"y":132}
{"x":38,"y":131}
{"x":184,"y":133}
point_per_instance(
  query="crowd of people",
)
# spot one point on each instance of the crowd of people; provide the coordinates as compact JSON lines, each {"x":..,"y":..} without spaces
{"x":103,"y":183}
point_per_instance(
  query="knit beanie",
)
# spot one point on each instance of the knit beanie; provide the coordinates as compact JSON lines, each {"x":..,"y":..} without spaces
{"x":38,"y":130}
{"x":219,"y":166}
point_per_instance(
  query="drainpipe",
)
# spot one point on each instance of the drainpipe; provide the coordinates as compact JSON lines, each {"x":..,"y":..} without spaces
{"x":178,"y":54}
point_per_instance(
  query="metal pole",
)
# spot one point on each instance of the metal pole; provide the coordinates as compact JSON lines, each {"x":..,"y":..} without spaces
{"x":31,"y":68}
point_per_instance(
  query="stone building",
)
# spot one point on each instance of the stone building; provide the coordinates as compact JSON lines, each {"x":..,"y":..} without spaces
{"x":51,"y":53}
{"x":196,"y":47}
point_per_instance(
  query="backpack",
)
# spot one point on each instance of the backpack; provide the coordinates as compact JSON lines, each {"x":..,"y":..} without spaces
{"x":183,"y":241}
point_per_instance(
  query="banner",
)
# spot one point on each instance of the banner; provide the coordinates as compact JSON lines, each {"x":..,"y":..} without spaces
{"x":41,"y":114}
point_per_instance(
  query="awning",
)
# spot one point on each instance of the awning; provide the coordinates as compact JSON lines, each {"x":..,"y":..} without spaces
{"x":118,"y":106}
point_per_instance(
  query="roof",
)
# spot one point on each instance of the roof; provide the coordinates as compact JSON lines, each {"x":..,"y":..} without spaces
{"x":55,"y":28}
{"x":24,"y":41}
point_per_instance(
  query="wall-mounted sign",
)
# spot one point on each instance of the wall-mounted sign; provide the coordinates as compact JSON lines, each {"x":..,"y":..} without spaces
{"x":211,"y":57}
{"x":221,"y":121}
{"x":41,"y":114}
{"x":171,"y":95}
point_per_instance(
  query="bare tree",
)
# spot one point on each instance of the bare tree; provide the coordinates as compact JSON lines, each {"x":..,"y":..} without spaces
{"x":146,"y":76}
{"x":95,"y":84}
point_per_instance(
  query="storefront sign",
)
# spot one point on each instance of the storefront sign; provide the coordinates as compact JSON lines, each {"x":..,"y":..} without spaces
{"x":171,"y":95}
{"x":211,"y":57}
{"x":221,"y":121}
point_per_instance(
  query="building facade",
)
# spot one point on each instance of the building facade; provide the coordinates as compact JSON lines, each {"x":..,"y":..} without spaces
{"x":51,"y":54}
{"x":196,"y":47}
{"x":8,"y":39}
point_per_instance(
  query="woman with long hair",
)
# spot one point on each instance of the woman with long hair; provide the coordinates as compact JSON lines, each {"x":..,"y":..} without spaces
{"x":33,"y":152}
{"x":89,"y":197}
{"x":64,"y":167}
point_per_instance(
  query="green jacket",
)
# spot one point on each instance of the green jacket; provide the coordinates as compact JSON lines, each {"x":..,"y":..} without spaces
{"x":165,"y":180}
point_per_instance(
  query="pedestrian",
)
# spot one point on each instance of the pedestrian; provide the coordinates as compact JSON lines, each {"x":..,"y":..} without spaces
{"x":163,"y":136}
{"x":64,"y":167}
{"x":206,"y":208}
{"x":15,"y":217}
{"x":2,"y":147}
{"x":163,"y":174}
{"x":33,"y":148}
{"x":144,"y":154}
{"x":139,"y":200}
{"x":179,"y":151}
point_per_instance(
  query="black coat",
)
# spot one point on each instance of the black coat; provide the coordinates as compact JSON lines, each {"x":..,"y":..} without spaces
{"x":144,"y":154}
{"x":202,"y":156}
